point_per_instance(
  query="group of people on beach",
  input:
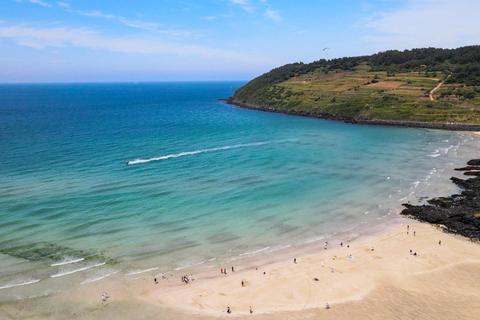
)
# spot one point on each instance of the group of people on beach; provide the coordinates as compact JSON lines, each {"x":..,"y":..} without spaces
{"x":224,"y":271}
{"x":105,"y":296}
{"x":186,"y":279}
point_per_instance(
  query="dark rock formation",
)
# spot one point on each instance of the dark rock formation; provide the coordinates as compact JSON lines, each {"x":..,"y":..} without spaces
{"x":329,"y":116}
{"x":457,"y":213}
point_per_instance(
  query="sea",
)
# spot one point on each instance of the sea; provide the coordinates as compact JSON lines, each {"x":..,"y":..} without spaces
{"x":101,"y":181}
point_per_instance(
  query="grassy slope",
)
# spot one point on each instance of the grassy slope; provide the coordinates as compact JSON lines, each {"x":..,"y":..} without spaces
{"x":352,"y":94}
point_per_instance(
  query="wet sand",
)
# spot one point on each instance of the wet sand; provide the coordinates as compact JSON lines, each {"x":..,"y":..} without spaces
{"x":441,"y":282}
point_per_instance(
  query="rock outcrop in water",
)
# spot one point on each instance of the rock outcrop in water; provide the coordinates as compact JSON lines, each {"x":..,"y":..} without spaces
{"x":459,"y":213}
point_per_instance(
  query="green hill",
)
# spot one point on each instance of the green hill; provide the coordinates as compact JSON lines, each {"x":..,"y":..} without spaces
{"x":390,"y":87}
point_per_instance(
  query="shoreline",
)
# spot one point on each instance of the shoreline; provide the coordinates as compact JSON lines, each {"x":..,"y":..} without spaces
{"x":437,"y":283}
{"x":327,"y":116}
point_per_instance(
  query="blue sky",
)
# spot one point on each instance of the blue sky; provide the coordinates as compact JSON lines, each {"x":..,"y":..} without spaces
{"x":176,"y":40}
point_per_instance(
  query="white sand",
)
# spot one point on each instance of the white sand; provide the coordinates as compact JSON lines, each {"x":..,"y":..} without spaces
{"x":441,"y":282}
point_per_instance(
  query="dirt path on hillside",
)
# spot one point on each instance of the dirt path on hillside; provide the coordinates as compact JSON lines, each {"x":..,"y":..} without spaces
{"x":437,"y":87}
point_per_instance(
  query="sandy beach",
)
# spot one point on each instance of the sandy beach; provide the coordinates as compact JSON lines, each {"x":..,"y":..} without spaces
{"x":442,"y":281}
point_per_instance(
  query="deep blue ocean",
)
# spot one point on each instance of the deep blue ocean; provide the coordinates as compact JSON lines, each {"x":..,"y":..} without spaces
{"x":205,"y":182}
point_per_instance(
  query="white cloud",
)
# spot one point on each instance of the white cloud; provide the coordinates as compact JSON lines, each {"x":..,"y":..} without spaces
{"x":95,"y":14}
{"x":150,"y":26}
{"x":40,"y":2}
{"x":40,"y":38}
{"x":273,"y":14}
{"x":245,"y":4}
{"x":63,"y":4}
{"x":424,"y":23}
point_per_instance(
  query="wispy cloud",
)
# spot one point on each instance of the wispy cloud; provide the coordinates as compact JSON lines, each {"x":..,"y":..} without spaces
{"x":245,"y":4}
{"x":150,"y":26}
{"x":40,"y":2}
{"x":421,"y":23}
{"x":218,"y":16}
{"x":63,"y":4}
{"x":273,"y":14}
{"x":41,"y":37}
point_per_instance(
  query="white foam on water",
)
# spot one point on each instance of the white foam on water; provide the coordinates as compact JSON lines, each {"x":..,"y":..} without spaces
{"x":181,"y":154}
{"x":19,"y":283}
{"x":67,"y":261}
{"x":256,"y":251}
{"x":77,"y":270}
{"x":140,"y":271}
{"x":93,"y":279}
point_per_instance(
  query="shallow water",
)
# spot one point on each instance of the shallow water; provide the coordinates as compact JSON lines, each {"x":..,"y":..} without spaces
{"x":206,"y":182}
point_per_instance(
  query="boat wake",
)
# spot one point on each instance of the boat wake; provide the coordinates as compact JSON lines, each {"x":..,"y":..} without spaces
{"x":188,"y":153}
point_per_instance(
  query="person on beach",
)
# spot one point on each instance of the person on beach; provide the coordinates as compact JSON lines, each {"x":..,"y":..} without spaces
{"x":322,"y":264}
{"x":410,"y":251}
{"x":372,"y":249}
{"x":408,"y":227}
{"x":233,"y":269}
{"x":251,"y":310}
{"x":243,"y":283}
{"x":106,"y":295}
{"x":228,"y":310}
{"x":341,"y":244}
{"x":224,"y":271}
{"x":191,"y":277}
{"x":414,"y":233}
{"x":440,"y":242}
{"x":155,"y":280}
{"x":163,"y":275}
{"x":327,"y":306}
{"x":294,"y":260}
{"x":332,"y":270}
{"x":103,"y":298}
{"x":221,"y":271}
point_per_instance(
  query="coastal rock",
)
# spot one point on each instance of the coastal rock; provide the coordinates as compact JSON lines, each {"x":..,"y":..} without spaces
{"x":457,"y":213}
{"x":358,"y":120}
{"x":469,"y":168}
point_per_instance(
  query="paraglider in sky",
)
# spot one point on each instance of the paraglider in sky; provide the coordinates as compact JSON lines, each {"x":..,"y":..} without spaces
{"x":326,"y":48}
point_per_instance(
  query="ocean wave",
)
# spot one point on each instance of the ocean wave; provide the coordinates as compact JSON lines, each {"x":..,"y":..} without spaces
{"x":67,"y":261}
{"x":19,"y":283}
{"x":140,"y":271}
{"x":187,"y":153}
{"x":77,"y":270}
{"x":93,"y":279}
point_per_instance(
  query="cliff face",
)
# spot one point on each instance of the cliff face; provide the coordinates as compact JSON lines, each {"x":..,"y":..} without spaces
{"x":457,"y":213}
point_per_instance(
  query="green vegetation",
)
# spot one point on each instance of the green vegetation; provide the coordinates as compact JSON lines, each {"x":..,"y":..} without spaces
{"x":389,"y":85}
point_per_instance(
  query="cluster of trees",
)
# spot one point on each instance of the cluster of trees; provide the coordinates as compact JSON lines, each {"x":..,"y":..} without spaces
{"x":463,"y":63}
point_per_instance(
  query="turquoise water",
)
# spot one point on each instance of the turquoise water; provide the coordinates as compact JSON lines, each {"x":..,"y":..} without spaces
{"x":206,"y":182}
